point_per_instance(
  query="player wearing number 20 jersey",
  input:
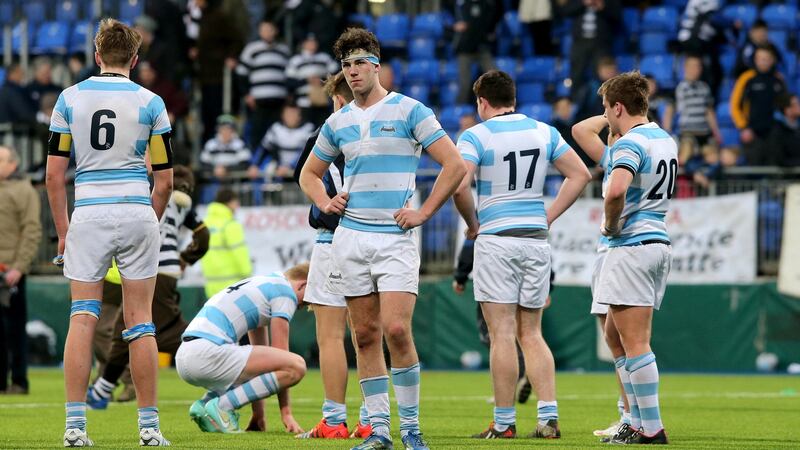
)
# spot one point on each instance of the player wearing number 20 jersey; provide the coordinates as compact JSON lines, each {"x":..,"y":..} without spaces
{"x":108,"y":122}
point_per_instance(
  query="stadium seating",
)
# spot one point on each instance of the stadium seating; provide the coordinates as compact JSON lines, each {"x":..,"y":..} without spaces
{"x":539,"y":111}
{"x":625,"y":63}
{"x":52,"y":37}
{"x":660,"y":18}
{"x":730,"y":136}
{"x":430,"y":25}
{"x":419,"y":92}
{"x":541,"y":69}
{"x":392,"y":30}
{"x":421,"y":48}
{"x":725,"y":89}
{"x":788,"y":64}
{"x":781,"y":40}
{"x":449,"y":71}
{"x":448,"y":117}
{"x":34,"y":11}
{"x":780,"y":17}
{"x":68,"y":11}
{"x":16,"y":36}
{"x":724,"y":115}
{"x":531,"y":92}
{"x":129,"y":10}
{"x":653,"y":43}
{"x":507,"y":65}
{"x":727,"y":59}
{"x":78,"y":37}
{"x":424,"y":71}
{"x":661,"y":68}
{"x":631,"y":21}
{"x":744,"y":13}
{"x":6,"y":13}
{"x":364,"y":19}
{"x":448,"y":94}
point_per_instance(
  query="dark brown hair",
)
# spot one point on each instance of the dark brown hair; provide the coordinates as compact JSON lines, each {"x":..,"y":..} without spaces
{"x":337,"y":85}
{"x":353,"y":39}
{"x":630,"y":89}
{"x":497,"y":88}
{"x":116,"y":43}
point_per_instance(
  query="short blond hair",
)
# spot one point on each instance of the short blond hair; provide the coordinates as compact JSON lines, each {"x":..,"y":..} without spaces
{"x":298,"y":272}
{"x":337,"y":85}
{"x":116,"y":43}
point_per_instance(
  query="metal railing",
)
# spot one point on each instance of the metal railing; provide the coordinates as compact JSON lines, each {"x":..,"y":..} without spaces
{"x":440,"y":234}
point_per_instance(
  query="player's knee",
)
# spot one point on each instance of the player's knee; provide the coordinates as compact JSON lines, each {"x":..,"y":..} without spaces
{"x":367,"y":336}
{"x":397,"y":332}
{"x":529,"y":338}
{"x":296,"y":369}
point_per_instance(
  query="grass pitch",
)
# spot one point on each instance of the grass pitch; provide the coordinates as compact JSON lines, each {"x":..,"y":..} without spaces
{"x":700,"y":411}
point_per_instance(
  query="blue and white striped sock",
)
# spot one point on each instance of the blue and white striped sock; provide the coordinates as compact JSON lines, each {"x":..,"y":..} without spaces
{"x":546,"y":411}
{"x":620,"y":406}
{"x":334,"y":413}
{"x":635,"y":421}
{"x":376,"y":398}
{"x":148,"y":417}
{"x":363,"y":415}
{"x":406,"y":391}
{"x":257,"y":388}
{"x":644,"y":380}
{"x":504,"y":418}
{"x":76,"y":415}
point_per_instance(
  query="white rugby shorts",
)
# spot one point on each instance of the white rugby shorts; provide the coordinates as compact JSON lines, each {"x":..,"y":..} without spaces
{"x":364,"y":262}
{"x":317,"y":274}
{"x":634,"y":275}
{"x":598,"y":308}
{"x":203,"y":363}
{"x":127,"y":232}
{"x":512,"y":270}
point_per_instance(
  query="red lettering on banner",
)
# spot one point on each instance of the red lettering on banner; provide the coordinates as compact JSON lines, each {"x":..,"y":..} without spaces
{"x":275,"y":219}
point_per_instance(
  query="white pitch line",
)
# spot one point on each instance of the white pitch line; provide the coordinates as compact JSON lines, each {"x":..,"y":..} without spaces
{"x":461,"y":398}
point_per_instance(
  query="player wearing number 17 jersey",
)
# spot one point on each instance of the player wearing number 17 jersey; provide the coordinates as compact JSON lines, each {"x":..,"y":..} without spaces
{"x":509,"y":155}
{"x":633,"y":277}
{"x":108,"y":122}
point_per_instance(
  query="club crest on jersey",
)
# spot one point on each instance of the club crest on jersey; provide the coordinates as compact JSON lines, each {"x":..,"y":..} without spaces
{"x":388,"y":129}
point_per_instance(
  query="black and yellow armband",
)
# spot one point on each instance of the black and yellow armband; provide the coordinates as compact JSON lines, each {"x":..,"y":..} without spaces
{"x":161,"y":151}
{"x":59,"y":144}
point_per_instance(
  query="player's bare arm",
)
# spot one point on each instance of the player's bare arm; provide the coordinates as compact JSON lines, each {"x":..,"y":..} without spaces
{"x":619,"y":182}
{"x":576,"y":177}
{"x":55,"y":180}
{"x":444,"y":152}
{"x":311,"y":183}
{"x":465,"y":203}
{"x":587,"y":134}
{"x":279,"y":335}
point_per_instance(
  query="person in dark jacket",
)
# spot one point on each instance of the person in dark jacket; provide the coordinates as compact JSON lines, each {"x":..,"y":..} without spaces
{"x":753,"y":103}
{"x":15,"y":103}
{"x":594,"y":24}
{"x":783,"y":143}
{"x":474,"y":29}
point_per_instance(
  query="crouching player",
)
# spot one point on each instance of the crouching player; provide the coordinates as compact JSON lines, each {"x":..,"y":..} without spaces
{"x":235,"y":375}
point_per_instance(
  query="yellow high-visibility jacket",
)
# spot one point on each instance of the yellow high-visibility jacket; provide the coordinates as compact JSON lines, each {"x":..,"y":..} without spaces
{"x":228,"y":259}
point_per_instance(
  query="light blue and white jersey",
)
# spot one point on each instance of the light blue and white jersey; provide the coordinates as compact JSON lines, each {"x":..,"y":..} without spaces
{"x":244,"y":306}
{"x":110,"y":119}
{"x":513,"y":153}
{"x":605,"y":163}
{"x":382,"y":146}
{"x":651,"y":155}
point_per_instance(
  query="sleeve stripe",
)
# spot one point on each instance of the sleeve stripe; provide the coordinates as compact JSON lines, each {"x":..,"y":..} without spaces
{"x":322,"y":155}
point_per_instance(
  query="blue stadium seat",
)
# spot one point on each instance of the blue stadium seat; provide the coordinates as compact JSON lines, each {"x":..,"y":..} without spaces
{"x":724,"y":115}
{"x":563,"y":90}
{"x":780,"y":17}
{"x":67,"y":11}
{"x":653,"y":43}
{"x":448,"y":93}
{"x":788,"y":64}
{"x":52,"y":37}
{"x":730,"y":136}
{"x":542,"y":112}
{"x":562,"y":70}
{"x":511,"y":24}
{"x":660,"y":18}
{"x":725,"y":89}
{"x":78,"y":37}
{"x":661,"y":68}
{"x":430,"y":25}
{"x":450,"y":71}
{"x":529,"y":93}
{"x":421,"y":48}
{"x":539,"y":68}
{"x":419,"y":92}
{"x":566,"y":46}
{"x":392,"y":30}
{"x":2,"y":75}
{"x":16,"y":37}
{"x":780,"y":38}
{"x":631,"y":21}
{"x":770,"y":216}
{"x":449,"y":116}
{"x":364,"y":19}
{"x":526,"y":46}
{"x":727,"y":59}
{"x":680,"y":5}
{"x":626,"y":63}
{"x":399,"y":71}
{"x":507,"y":65}
{"x":6,"y":13}
{"x":747,"y":14}
{"x":130,"y":9}
{"x":34,"y":11}
{"x":422,"y":72}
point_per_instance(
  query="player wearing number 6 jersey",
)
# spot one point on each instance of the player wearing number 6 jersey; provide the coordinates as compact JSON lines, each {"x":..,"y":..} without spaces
{"x":108,"y":122}
{"x":633,"y":277}
{"x":509,"y":154}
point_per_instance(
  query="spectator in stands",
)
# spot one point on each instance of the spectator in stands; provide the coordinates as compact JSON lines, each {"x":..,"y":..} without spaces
{"x":563,"y":114}
{"x":154,"y":50}
{"x":175,"y":100}
{"x":586,"y":97}
{"x":729,"y":156}
{"x":538,"y":16}
{"x":219,"y":42}
{"x":705,"y":166}
{"x":78,"y":70}
{"x":593,"y":27}
{"x":170,"y":33}
{"x":474,"y":35}
{"x":281,"y":146}
{"x":753,"y":103}
{"x":465,"y":122}
{"x":660,"y":107}
{"x":784,"y":139}
{"x":315,"y":17}
{"x":695,"y":107}
{"x":262,"y":76}
{"x":228,"y":259}
{"x":699,"y":34}
{"x":305,"y":71}
{"x":16,"y":105}
{"x":20,"y":233}
{"x":226,"y":151}
{"x":756,"y":35}
{"x":42,"y":82}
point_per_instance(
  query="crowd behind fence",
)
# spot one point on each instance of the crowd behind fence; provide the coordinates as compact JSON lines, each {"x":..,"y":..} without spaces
{"x":440,"y":236}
